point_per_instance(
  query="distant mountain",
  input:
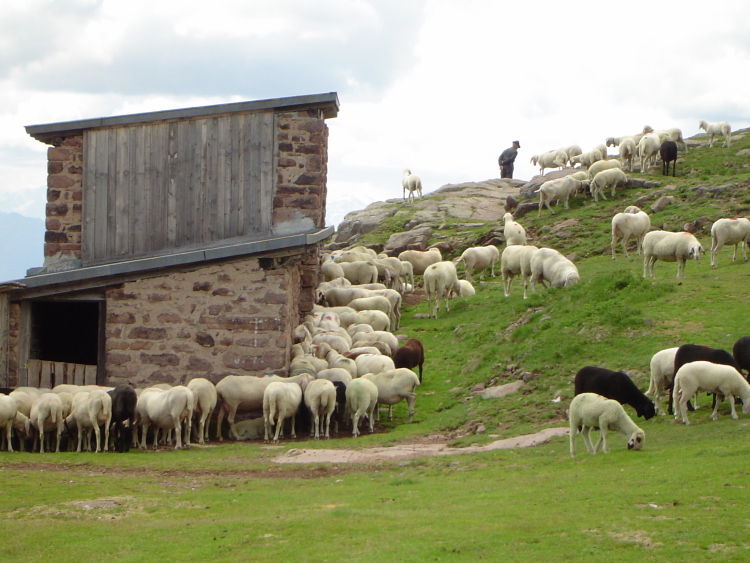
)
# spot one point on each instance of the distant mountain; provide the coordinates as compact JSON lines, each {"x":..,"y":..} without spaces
{"x":21,"y":245}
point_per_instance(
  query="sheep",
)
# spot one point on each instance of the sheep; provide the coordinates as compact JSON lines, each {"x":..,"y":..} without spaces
{"x":167,"y":411}
{"x":407,"y":276}
{"x":669,"y":247}
{"x":336,"y":360}
{"x":628,"y":151}
{"x":320,"y":399}
{"x":600,"y":165}
{"x":412,"y":183}
{"x":342,"y":296}
{"x":668,"y":153}
{"x":730,"y":231}
{"x":467,"y":290}
{"x":693,"y":352}
{"x":377,"y":335}
{"x":337,"y":339}
{"x":394,"y":386}
{"x":374,"y":303}
{"x":354,"y":254}
{"x":478,"y":259}
{"x":336,"y":374}
{"x":440,"y":281}
{"x":707,"y":376}
{"x":673,"y":134}
{"x":360,"y":272}
{"x":205,"y":402}
{"x":558,"y":189}
{"x":330,"y":270}
{"x":741,"y":353}
{"x":633,"y":224}
{"x":361,"y":400}
{"x":46,"y":414}
{"x":648,"y":148}
{"x":571,"y":151}
{"x":548,"y":264}
{"x":586,"y":159}
{"x":589,"y":410}
{"x":395,"y":265}
{"x":90,"y":410}
{"x":394,"y":297}
{"x":610,"y":178}
{"x":613,"y":385}
{"x":8,"y":412}
{"x":377,"y":319}
{"x":281,"y":400}
{"x":713,"y":129}
{"x":513,"y":231}
{"x":124,"y":400}
{"x":420,"y":260}
{"x":373,"y":363}
{"x":410,"y":355}
{"x":550,"y":159}
{"x":662,"y":375}
{"x":516,"y":260}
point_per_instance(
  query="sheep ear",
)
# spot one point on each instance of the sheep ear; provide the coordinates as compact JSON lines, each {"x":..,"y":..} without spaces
{"x":638,"y":439}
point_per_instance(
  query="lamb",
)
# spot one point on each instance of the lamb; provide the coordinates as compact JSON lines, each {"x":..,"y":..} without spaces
{"x":46,"y":415}
{"x":550,"y":159}
{"x":395,"y":386}
{"x":420,"y":260}
{"x":669,"y":247}
{"x":600,"y":165}
{"x":410,"y":355}
{"x":712,"y":129}
{"x":707,"y":376}
{"x":662,"y":375}
{"x":412,"y":183}
{"x":648,"y":148}
{"x":558,"y":189}
{"x":440,"y":281}
{"x":613,"y":385}
{"x":730,"y":231}
{"x":586,"y":159}
{"x":320,"y":398}
{"x":360,"y":272}
{"x":361,"y":400}
{"x":124,"y":400}
{"x":668,"y":153}
{"x":589,"y":410}
{"x":513,"y":231}
{"x":8,"y":412}
{"x":206,"y":398}
{"x":516,"y":260}
{"x":628,"y":151}
{"x":630,"y":224}
{"x":281,"y":400}
{"x":479,"y":258}
{"x":467,"y":290}
{"x":548,"y":264}
{"x":607,"y":179}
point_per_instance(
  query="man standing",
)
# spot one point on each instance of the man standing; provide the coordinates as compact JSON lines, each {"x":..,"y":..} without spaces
{"x":507,"y":159}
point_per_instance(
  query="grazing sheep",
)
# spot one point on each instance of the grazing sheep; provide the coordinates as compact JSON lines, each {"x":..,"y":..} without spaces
{"x":730,"y":231}
{"x":707,"y":376}
{"x":440,"y":281}
{"x":361,"y":400}
{"x":559,"y":189}
{"x":420,"y":260}
{"x":320,"y":399}
{"x":360,"y":272}
{"x":613,"y":385}
{"x":411,"y":183}
{"x":281,"y":400}
{"x":8,"y":412}
{"x":513,"y":231}
{"x":610,"y":178}
{"x":373,"y":303}
{"x":548,"y":264}
{"x":693,"y":353}
{"x":467,"y":290}
{"x":589,"y":410}
{"x":571,"y":151}
{"x":600,"y":165}
{"x":410,"y":355}
{"x":336,"y":360}
{"x":394,"y":386}
{"x":169,"y":410}
{"x":46,"y":415}
{"x":124,"y":400}
{"x":550,"y":159}
{"x":668,"y":153}
{"x":342,"y":296}
{"x":586,"y":159}
{"x":377,"y":336}
{"x":394,"y":297}
{"x":630,"y":224}
{"x":90,"y":410}
{"x":395,"y":266}
{"x":336,"y":374}
{"x":378,"y":320}
{"x":669,"y":247}
{"x":478,"y":259}
{"x":662,"y":375}
{"x":741,"y":353}
{"x":713,"y":129}
{"x":205,"y":402}
{"x":648,"y":148}
{"x":330,"y":270}
{"x":516,"y":260}
{"x":373,"y":363}
{"x":628,"y":151}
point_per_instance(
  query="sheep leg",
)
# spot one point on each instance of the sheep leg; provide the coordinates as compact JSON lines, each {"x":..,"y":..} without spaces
{"x":410,"y":398}
{"x":585,"y":431}
{"x":219,"y":421}
{"x":97,"y":434}
{"x":731,"y":404}
{"x":8,"y":430}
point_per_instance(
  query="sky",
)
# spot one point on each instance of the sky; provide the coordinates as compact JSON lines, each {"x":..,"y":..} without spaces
{"x":437,"y":86}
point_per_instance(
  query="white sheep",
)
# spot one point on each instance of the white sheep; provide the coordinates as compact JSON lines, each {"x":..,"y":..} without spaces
{"x":662,"y":374}
{"x":407,"y":276}
{"x":360,"y":271}
{"x":628,"y":151}
{"x":440,"y":282}
{"x":478,"y":259}
{"x":281,"y":400}
{"x":354,"y":254}
{"x":600,"y":165}
{"x":46,"y":415}
{"x":648,"y":149}
{"x":602,"y":150}
{"x":330,"y":270}
{"x":548,"y":264}
{"x":206,"y":398}
{"x":394,"y":297}
{"x":589,"y":410}
{"x":712,"y":129}
{"x":558,"y":189}
{"x":373,"y":363}
{"x":730,"y":231}
{"x":669,"y":247}
{"x":373,"y":303}
{"x":395,"y":266}
{"x":394,"y":386}
{"x":467,"y":290}
{"x":513,"y":231}
{"x":336,"y":360}
{"x":672,"y":134}
{"x":91,"y":409}
{"x":607,"y":179}
{"x":586,"y":159}
{"x":377,"y":319}
{"x":8,"y":412}
{"x":715,"y":378}
{"x":550,"y":159}
{"x":335,"y":374}
{"x":421,"y":260}
{"x":516,"y":260}
{"x":571,"y":151}
{"x":168,"y":411}
{"x":411,"y":183}
{"x":377,"y":335}
{"x":320,"y":399}
{"x":361,"y":400}
{"x":633,"y":223}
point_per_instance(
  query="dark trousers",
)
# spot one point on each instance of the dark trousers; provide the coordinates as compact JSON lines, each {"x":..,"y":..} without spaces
{"x":506,"y":171}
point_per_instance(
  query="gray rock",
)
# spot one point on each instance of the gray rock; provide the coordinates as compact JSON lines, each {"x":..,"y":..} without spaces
{"x":661,"y":203}
{"x":363,"y":221}
{"x":415,"y":239}
{"x":502,"y":390}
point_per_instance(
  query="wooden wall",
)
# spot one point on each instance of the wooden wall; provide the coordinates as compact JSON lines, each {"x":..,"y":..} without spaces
{"x":156,"y":187}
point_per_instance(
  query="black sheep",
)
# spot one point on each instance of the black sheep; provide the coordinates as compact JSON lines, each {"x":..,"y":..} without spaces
{"x":614,"y":385}
{"x":668,"y":153}
{"x":741,"y":353}
{"x":124,"y":400}
{"x":410,"y":355}
{"x":693,"y":353}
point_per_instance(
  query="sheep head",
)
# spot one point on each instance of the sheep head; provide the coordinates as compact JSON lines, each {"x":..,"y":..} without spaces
{"x":636,"y":440}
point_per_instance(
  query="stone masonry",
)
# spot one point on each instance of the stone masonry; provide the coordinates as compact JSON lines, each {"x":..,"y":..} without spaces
{"x":62,"y":239}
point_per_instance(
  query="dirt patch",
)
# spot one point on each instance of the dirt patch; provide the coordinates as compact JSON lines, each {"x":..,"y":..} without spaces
{"x":405,"y":451}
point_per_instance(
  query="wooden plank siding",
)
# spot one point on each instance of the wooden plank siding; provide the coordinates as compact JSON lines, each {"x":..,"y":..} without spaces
{"x":158,"y":187}
{"x":43,"y":373}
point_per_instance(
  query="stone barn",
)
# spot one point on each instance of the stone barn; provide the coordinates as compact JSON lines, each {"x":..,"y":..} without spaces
{"x":178,"y":244}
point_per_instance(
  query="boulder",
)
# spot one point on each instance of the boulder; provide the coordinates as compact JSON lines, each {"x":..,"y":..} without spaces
{"x":360,"y":222}
{"x":415,"y":239}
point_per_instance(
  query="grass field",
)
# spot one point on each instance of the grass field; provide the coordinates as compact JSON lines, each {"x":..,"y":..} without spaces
{"x":682,"y":498}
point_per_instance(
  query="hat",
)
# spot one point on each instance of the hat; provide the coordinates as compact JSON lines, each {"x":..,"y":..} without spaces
{"x":517,"y":143}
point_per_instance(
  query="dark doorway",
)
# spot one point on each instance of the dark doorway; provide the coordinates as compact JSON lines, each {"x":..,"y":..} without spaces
{"x":65,"y":331}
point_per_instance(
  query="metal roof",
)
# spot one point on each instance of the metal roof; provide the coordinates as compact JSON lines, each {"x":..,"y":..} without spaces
{"x":329,"y":103}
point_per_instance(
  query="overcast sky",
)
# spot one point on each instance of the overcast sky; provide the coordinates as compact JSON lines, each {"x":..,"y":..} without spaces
{"x":437,"y":86}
